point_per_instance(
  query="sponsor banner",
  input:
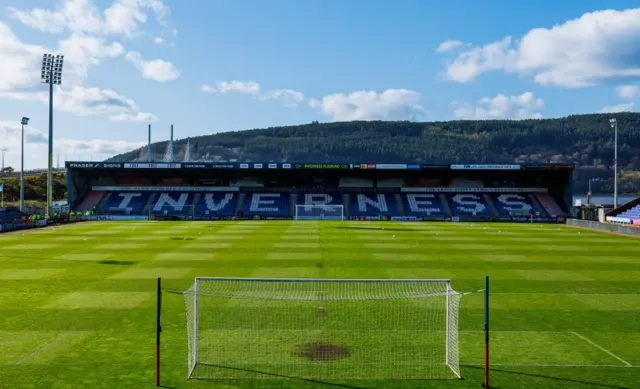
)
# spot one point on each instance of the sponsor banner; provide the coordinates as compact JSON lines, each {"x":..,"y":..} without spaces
{"x":206,"y":217}
{"x":365,"y":218}
{"x":636,"y":222}
{"x":257,"y":166}
{"x":441,"y":167}
{"x":208,"y":166}
{"x":94,"y":165}
{"x":615,"y":219}
{"x":320,"y":166}
{"x":236,"y":218}
{"x":152,"y":165}
{"x":549,"y":166}
{"x":485,"y":167}
{"x":406,"y":218}
{"x":473,"y":190}
{"x":629,"y":230}
{"x":165,"y":188}
{"x":433,"y":218}
{"x":391,"y":166}
{"x":286,"y":166}
{"x":273,"y":166}
{"x":276,"y":218}
{"x":244,"y":166}
{"x":115,"y":217}
{"x":413,"y":166}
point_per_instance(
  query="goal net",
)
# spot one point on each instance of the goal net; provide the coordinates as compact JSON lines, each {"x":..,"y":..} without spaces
{"x":319,"y":212}
{"x":322,"y":329}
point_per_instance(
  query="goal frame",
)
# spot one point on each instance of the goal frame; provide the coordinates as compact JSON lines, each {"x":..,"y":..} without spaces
{"x":195,"y":290}
{"x":296,"y":216}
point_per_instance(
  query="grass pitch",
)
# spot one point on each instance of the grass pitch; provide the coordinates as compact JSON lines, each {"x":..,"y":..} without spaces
{"x":77,"y":303}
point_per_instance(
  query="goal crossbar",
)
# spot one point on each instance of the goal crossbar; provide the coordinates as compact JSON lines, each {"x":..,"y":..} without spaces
{"x":323,"y":279}
{"x":319,"y":328}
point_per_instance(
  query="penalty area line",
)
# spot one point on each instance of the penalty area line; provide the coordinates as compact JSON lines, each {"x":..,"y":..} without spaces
{"x":37,"y":351}
{"x":602,"y":348}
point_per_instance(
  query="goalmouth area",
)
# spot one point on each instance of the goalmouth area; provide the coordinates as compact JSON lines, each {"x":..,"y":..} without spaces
{"x":78,"y":302}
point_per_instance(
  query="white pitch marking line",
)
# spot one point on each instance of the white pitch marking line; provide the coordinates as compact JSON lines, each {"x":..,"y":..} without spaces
{"x":603,"y":349}
{"x":545,"y":365}
{"x":37,"y":351}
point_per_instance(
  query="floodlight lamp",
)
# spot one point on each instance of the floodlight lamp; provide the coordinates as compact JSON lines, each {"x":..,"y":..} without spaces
{"x":612,"y":120}
{"x":25,"y":121}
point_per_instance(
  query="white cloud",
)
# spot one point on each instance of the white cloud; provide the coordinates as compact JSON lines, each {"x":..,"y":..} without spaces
{"x":448,"y":45}
{"x":470,"y":64}
{"x":20,"y":61}
{"x":249,"y":87}
{"x":93,"y":101}
{"x":156,"y":69}
{"x":74,"y":15}
{"x":288,"y":97}
{"x":524,"y":106}
{"x":20,"y":76}
{"x":137,"y":117}
{"x":599,"y":47}
{"x":392,"y":104}
{"x":628,"y":92}
{"x":205,"y":88}
{"x":122,"y":18}
{"x":622,"y":107}
{"x":158,"y":40}
{"x":36,"y":146}
{"x":83,"y":51}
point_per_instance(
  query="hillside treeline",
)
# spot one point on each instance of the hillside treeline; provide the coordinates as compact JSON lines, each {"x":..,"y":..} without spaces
{"x":585,"y":140}
{"x":35,"y":188}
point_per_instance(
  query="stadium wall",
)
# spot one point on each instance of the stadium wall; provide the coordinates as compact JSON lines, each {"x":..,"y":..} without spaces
{"x":604,"y":226}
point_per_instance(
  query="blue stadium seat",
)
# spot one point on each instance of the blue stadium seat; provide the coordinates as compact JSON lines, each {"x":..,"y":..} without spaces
{"x":217,"y":203}
{"x":128,"y":202}
{"x":267,"y":204}
{"x":509,"y":204}
{"x":373,"y":204}
{"x":468,"y":204}
{"x":633,"y":213}
{"x":423,"y":204}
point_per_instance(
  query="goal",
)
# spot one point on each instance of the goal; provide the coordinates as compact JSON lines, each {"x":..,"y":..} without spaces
{"x":321,"y":329}
{"x":319,"y":212}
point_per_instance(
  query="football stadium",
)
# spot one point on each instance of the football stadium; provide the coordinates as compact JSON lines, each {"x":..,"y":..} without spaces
{"x":364,"y":195}
{"x":356,"y":275}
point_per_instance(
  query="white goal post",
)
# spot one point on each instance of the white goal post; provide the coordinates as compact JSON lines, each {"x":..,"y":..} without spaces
{"x":322,"y":329}
{"x":319,"y":212}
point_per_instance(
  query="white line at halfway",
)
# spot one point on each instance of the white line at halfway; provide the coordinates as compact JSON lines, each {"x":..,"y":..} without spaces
{"x":602,"y":348}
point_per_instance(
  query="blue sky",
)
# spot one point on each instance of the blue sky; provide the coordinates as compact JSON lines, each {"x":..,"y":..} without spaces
{"x":208,"y":66}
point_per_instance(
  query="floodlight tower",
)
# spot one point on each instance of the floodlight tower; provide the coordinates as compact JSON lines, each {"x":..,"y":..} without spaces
{"x":25,"y":121}
{"x":614,"y":125}
{"x":51,"y":74}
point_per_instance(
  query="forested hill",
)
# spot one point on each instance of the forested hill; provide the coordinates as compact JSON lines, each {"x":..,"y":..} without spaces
{"x":585,"y":140}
